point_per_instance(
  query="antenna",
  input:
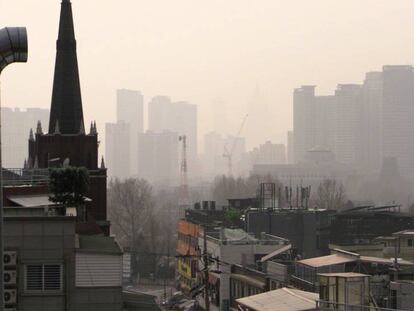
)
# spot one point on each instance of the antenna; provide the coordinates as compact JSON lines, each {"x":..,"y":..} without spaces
{"x":184,"y":196}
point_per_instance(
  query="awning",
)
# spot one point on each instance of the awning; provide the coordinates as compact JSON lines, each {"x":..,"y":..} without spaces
{"x":276,"y":252}
{"x":31,"y":200}
{"x":34,"y":200}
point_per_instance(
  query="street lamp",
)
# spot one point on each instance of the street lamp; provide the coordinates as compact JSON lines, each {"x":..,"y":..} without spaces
{"x":13,"y":49}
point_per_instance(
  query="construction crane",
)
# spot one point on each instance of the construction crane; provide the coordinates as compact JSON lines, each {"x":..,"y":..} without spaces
{"x":184,"y":196}
{"x":228,"y":153}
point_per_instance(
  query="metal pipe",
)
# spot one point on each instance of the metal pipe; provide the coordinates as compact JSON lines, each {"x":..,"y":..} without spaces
{"x":13,"y":49}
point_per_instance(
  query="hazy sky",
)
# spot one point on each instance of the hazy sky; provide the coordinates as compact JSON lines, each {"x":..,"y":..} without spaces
{"x":216,"y":52}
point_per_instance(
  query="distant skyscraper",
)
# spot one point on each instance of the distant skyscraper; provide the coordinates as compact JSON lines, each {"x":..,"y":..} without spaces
{"x":312,"y":117}
{"x":158,"y":157}
{"x":118,"y":149}
{"x":269,"y":153}
{"x":371,"y":123}
{"x":16,"y":125}
{"x":398,"y":115}
{"x":178,"y":117}
{"x":213,"y":160}
{"x":290,"y":147}
{"x":130,"y":109}
{"x":347,"y":119}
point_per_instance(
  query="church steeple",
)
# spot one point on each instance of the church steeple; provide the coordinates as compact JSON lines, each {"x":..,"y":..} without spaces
{"x":66,"y":108}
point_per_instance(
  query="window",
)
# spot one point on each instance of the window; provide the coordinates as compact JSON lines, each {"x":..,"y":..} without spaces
{"x":43,"y":277}
{"x":410,"y":242}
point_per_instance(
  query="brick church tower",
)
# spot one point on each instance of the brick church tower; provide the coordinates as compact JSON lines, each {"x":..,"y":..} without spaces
{"x":66,"y":141}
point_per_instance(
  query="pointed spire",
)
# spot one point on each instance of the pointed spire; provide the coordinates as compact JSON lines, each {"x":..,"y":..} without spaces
{"x":31,"y":136}
{"x":82,"y":129}
{"x":102,"y":163}
{"x":57,"y":129}
{"x":66,"y":104}
{"x":36,"y":163}
{"x":39,"y":128}
{"x":29,"y":162}
{"x":25,"y":163}
{"x":93,"y":128}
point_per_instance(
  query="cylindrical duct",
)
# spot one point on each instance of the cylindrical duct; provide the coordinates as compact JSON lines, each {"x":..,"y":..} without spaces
{"x":13,"y":46}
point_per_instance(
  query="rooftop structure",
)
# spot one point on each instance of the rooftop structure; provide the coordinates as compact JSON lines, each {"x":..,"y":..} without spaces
{"x":286,"y":299}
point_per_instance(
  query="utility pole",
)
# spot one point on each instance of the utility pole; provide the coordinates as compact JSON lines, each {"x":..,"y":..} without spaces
{"x":184,"y":196}
{"x":205,"y":259}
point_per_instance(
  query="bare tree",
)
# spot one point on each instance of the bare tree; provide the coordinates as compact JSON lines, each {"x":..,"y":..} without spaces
{"x":131,"y":212}
{"x":330,"y":195}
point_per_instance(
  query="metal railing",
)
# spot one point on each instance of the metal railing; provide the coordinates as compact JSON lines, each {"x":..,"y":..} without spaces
{"x":21,"y":176}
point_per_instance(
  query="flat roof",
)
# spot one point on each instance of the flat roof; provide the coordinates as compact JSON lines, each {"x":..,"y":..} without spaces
{"x":33,"y":200}
{"x":97,"y":244}
{"x":386,"y":261}
{"x":283,"y":299}
{"x":329,"y":260}
{"x":344,"y":274}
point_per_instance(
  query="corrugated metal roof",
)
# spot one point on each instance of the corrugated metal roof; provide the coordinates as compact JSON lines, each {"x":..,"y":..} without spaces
{"x":385,"y":261}
{"x":329,"y":260}
{"x":283,"y":299}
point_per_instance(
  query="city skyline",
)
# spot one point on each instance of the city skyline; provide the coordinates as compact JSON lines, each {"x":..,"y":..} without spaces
{"x":230,"y":72}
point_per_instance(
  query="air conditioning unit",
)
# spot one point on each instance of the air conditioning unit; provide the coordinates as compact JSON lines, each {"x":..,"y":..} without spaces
{"x":9,"y":277}
{"x":9,"y":296}
{"x":9,"y":258}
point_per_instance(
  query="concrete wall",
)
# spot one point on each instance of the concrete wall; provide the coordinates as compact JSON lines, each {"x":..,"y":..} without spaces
{"x":98,"y":298}
{"x":42,"y":241}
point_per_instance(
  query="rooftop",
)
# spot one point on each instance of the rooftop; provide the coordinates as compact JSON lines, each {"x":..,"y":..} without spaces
{"x":286,"y":299}
{"x":239,"y":236}
{"x":338,"y":258}
{"x":329,"y":260}
{"x":344,"y":274}
{"x":97,"y":244}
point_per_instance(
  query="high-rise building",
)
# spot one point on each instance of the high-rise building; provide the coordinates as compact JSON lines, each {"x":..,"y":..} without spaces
{"x":371,"y":124}
{"x":130,"y":110}
{"x":158,"y":157}
{"x":269,"y":153}
{"x":213,"y":160}
{"x":312,"y":121}
{"x":347,"y":120}
{"x":16,"y":125}
{"x":178,"y":117}
{"x":398,"y":115}
{"x":290,"y":147}
{"x":118,"y":149}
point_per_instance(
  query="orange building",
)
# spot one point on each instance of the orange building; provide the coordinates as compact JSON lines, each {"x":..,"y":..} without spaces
{"x":187,"y":248}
